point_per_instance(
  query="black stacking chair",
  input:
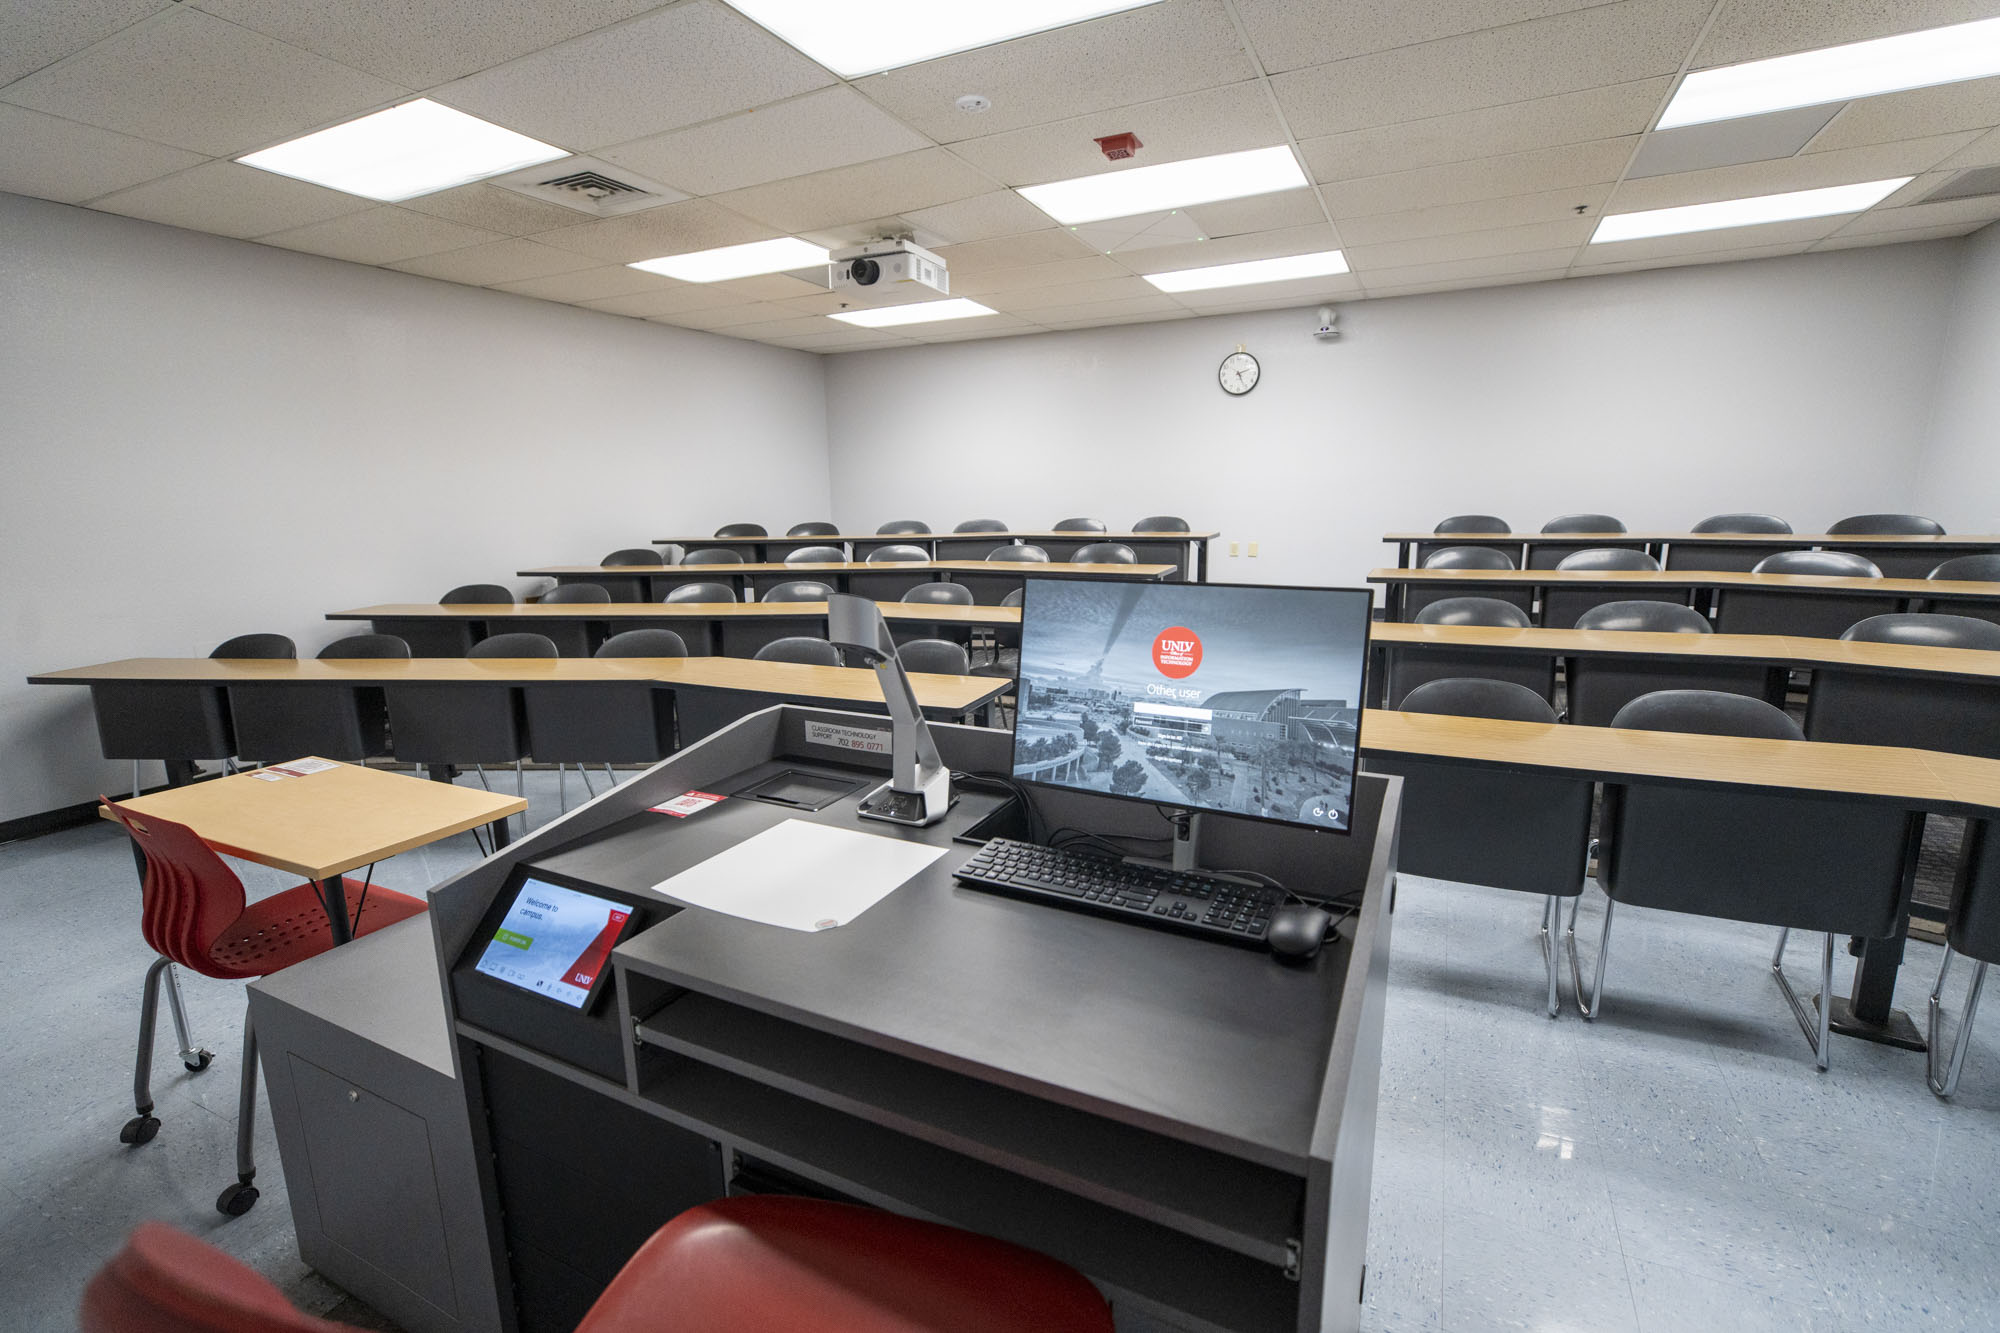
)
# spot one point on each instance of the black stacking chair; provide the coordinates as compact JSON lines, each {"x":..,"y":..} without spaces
{"x":982,"y":525}
{"x":1468,"y":557}
{"x":713,"y":555}
{"x":1862,"y":707}
{"x":701,"y":592}
{"x":277,"y":720}
{"x":623,"y":722}
{"x":441,"y":724}
{"x":1885,"y":525}
{"x":1004,"y":638}
{"x":1546,"y":557}
{"x":947,"y":594}
{"x":935,"y":656}
{"x":1105,"y":553}
{"x":898,"y":554}
{"x":1416,"y":597}
{"x":1024,"y":554}
{"x":813,"y":530}
{"x":634,"y":555}
{"x":575,"y":594}
{"x":1473,"y":523}
{"x":1834,"y":564}
{"x":742,"y":530}
{"x":575,"y":638}
{"x":1079,"y":525}
{"x":1608,"y":557}
{"x":882,"y":587}
{"x":1528,"y":832}
{"x":990,"y":590}
{"x":176,"y":724}
{"x":263,"y":647}
{"x":1813,"y":615}
{"x":1412,"y":666}
{"x":456,"y":638}
{"x":623,"y":587}
{"x":1767,"y":856}
{"x":1601,"y":684}
{"x":1973,"y":929}
{"x":901,"y":527}
{"x":935,"y":594}
{"x":799,"y":590}
{"x":1710,"y":555}
{"x":1562,"y":605}
{"x":800,"y":648}
{"x":817,"y":555}
{"x":1981,"y":568}
{"x":1769,"y":524}
{"x":1161,"y":523}
{"x":477,"y":594}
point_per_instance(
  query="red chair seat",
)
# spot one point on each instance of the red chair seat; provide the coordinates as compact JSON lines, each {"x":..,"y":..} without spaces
{"x":290,"y":927}
{"x":763,"y":1262}
{"x":166,"y":1281}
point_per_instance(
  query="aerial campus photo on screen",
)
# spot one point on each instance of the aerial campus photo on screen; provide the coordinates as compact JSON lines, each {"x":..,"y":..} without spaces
{"x":1242,"y":700}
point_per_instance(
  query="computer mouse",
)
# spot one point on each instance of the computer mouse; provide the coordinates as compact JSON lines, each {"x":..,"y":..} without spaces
{"x":1297,"y":930}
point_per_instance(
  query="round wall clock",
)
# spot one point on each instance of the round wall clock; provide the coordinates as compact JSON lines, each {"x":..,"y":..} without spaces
{"x":1238,"y":373}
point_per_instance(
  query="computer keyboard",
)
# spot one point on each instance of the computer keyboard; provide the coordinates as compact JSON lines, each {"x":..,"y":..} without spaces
{"x":1189,"y":902}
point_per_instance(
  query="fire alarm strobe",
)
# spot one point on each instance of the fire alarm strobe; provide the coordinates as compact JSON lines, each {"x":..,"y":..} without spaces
{"x":1118,"y":147}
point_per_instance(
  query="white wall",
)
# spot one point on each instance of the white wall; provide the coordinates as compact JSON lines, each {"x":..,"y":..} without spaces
{"x":1798,"y":386}
{"x":1960,"y":485}
{"x":206,"y":437}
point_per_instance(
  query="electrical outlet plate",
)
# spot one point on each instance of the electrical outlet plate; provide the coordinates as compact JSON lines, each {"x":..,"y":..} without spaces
{"x":1253,"y":550}
{"x":1232,"y":549}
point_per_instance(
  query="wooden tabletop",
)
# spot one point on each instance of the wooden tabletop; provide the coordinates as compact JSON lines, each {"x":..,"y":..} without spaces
{"x":927,"y":612}
{"x":1784,"y":539}
{"x":327,"y":823}
{"x":1004,"y":567}
{"x":1693,"y":578}
{"x":1776,"y":649}
{"x":934,"y":536}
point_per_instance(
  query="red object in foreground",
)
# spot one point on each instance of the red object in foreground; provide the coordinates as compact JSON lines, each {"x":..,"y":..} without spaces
{"x":1118,"y":147}
{"x":166,"y":1281}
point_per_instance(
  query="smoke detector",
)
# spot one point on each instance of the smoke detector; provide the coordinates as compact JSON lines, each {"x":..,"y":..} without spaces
{"x":589,"y":186}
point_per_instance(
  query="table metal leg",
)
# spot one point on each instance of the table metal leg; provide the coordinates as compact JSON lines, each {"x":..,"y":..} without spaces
{"x":333,"y":898}
{"x":501,"y":836}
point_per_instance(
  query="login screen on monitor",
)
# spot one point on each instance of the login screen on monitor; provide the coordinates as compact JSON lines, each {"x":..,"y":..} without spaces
{"x":555,"y":942}
{"x":1236,"y":699}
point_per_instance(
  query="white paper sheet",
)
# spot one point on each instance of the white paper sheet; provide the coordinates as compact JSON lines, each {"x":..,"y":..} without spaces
{"x":801,"y":875}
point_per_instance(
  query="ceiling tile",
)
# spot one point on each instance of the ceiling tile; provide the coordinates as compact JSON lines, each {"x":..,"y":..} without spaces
{"x":795,"y":326}
{"x":1807,"y":171}
{"x":511,"y":260}
{"x":1754,"y":29}
{"x":717,"y":317}
{"x":1981,"y":152}
{"x":1534,"y":261}
{"x":673,"y":68}
{"x":198,"y":83}
{"x":421,"y":43}
{"x":670,"y":229}
{"x":1591,"y":48}
{"x":1235,"y":249}
{"x":1726,"y":143}
{"x":1532,"y":172}
{"x":1290,"y":33}
{"x":1923,"y":215}
{"x":1972,"y":105}
{"x":1077,"y":312}
{"x":1110,"y":321}
{"x":1122,"y":288}
{"x":588,"y":284}
{"x":1694,"y":257}
{"x":1865,"y":238}
{"x":1263,"y":212}
{"x":379,"y":235}
{"x":1369,"y":259}
{"x":855,"y":340}
{"x":868,"y":189}
{"x":492,"y":208}
{"x":972,"y":330}
{"x":821,"y":303}
{"x":673,"y":299}
{"x":834,"y":127}
{"x":34,"y":35}
{"x":230,"y":200}
{"x":1227,"y":119}
{"x":981,"y":218}
{"x":52,"y":158}
{"x":1769,"y":235}
{"x":1090,"y":268}
{"x":1482,"y":214}
{"x":1467,"y":284}
{"x":771,"y":287}
{"x":1035,"y":247}
{"x":1138,"y":56}
{"x":1542,"y":122}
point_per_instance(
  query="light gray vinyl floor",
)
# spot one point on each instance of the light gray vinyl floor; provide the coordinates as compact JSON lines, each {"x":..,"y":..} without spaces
{"x":1677,"y":1165}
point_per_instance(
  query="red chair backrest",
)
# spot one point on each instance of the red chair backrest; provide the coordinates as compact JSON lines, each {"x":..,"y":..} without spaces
{"x":189,"y":895}
{"x":165,"y":1281}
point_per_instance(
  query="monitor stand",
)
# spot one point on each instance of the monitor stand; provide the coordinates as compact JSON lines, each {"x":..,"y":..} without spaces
{"x":1187,"y":840}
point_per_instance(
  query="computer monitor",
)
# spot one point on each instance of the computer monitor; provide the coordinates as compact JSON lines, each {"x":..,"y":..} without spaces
{"x":1237,"y":699}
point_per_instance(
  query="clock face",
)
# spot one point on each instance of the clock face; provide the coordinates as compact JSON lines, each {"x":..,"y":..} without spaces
{"x":1238,"y":374}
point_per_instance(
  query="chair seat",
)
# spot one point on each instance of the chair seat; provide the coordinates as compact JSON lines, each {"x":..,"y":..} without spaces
{"x":764,"y":1262}
{"x":166,"y":1281}
{"x":289,"y":927}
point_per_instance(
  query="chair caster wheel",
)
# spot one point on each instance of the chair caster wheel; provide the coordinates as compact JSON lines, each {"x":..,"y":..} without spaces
{"x":201,"y":1061}
{"x":237,"y":1200}
{"x":139,"y":1129}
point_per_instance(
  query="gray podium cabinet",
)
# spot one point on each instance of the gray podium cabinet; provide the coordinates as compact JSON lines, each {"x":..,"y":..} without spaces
{"x":1189,"y":1124}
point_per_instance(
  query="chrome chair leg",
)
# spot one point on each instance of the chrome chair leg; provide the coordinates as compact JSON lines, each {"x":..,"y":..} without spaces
{"x":610,"y":776}
{"x":1948,"y":1084}
{"x":481,"y":771}
{"x":1594,"y":1006}
{"x":1551,"y":928}
{"x":562,"y":789}
{"x":136,"y":793}
{"x":584,"y":773}
{"x":194,"y":1057}
{"x":1818,"y":1030}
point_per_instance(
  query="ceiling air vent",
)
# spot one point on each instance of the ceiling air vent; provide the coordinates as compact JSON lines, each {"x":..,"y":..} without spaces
{"x":1974,"y":184}
{"x":589,"y":186}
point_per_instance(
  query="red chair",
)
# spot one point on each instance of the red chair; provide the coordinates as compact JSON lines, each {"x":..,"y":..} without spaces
{"x":166,"y":1281}
{"x":194,"y":913}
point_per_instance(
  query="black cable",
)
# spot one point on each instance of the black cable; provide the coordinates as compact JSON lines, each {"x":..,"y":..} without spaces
{"x":1006,"y":783}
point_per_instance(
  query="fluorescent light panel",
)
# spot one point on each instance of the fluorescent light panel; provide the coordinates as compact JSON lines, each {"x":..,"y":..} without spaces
{"x":1745,"y":212}
{"x":1838,"y":74}
{"x":857,"y":37}
{"x":420,"y":147}
{"x":1197,"y":180}
{"x":923,"y":312}
{"x":1323,"y":264}
{"x":737,"y":261}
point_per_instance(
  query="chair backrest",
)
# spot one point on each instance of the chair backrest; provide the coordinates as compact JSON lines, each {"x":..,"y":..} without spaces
{"x":701,"y":592}
{"x":936,"y":656}
{"x":257,"y":645}
{"x":1647,"y":617}
{"x":896,"y":526}
{"x":799,"y":590}
{"x":569,"y":593}
{"x":1583,"y":523}
{"x":1079,"y":525}
{"x":1753,"y":523}
{"x":982,"y":525}
{"x":1927,"y":630}
{"x":1469,"y":697}
{"x":1708,"y":713}
{"x":634,"y":555}
{"x":800,"y":648}
{"x":817,"y":555}
{"x":1981,"y":568}
{"x":366,"y":645}
{"x":742,"y":530}
{"x":813,"y":529}
{"x":478,"y":594}
{"x":1162,"y":523}
{"x":1013,"y":598}
{"x":1105,"y":553}
{"x":522,"y":644}
{"x":1886,"y":525}
{"x":1469,"y":523}
{"x":1018,"y":555}
{"x":898,"y":554}
{"x":188,"y":894}
{"x":643,"y":643}
{"x":714,"y":555}
{"x":1607,"y":557}
{"x":956,"y":594}
{"x":1840,"y":564}
{"x":1468,"y":557}
{"x":166,"y":1281}
{"x":1473,"y":611}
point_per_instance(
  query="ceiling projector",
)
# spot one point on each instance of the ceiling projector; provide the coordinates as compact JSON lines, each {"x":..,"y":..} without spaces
{"x":886,"y":272}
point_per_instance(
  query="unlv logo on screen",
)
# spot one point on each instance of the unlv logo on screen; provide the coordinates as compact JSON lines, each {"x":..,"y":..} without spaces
{"x":1177,"y":652}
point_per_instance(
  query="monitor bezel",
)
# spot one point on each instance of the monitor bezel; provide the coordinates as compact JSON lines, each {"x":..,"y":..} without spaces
{"x":1361,"y":702}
